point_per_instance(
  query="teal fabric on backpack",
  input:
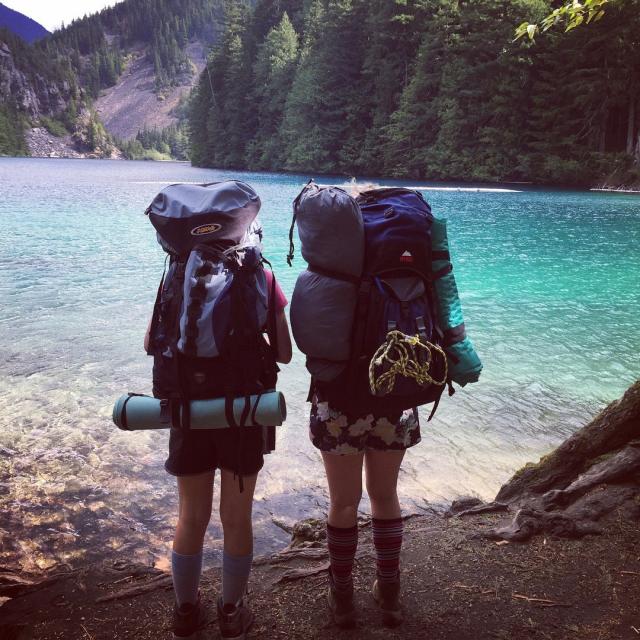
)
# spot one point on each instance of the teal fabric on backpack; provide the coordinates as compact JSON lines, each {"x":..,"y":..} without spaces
{"x":464,"y":363}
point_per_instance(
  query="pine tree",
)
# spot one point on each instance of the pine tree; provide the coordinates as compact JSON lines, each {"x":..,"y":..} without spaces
{"x":325,"y":87}
{"x":273,"y":75}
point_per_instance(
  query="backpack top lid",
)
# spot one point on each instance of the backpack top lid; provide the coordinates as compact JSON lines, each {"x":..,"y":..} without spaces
{"x":397,"y":224}
{"x":214,"y":213}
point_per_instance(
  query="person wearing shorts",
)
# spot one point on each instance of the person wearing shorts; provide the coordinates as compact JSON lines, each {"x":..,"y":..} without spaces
{"x":194,"y":457}
{"x":347,"y":444}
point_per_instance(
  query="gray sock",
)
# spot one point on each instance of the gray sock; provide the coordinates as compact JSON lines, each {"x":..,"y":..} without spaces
{"x":186,"y":576}
{"x":235,"y":575}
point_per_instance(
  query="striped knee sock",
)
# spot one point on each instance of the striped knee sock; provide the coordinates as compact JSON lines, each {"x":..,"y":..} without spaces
{"x":387,"y":539}
{"x":342,"y":543}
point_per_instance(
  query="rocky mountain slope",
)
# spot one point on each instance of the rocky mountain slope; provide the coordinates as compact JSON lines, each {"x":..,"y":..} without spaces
{"x":31,"y":92}
{"x":118,"y":77}
{"x":133,"y":104}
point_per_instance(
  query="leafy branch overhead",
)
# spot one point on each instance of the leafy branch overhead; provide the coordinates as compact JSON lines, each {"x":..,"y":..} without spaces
{"x":572,"y":14}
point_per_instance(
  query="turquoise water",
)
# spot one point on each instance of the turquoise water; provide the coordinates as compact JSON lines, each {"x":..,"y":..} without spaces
{"x":550,"y":284}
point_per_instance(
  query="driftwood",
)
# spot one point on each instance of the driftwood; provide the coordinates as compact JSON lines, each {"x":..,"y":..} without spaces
{"x":13,"y":585}
{"x":163,"y":581}
{"x":571,"y":492}
{"x":305,"y":572}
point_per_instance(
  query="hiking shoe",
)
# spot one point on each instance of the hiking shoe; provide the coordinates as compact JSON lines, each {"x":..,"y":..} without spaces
{"x":387,"y":596}
{"x":341,"y":605}
{"x":234,"y":620}
{"x":188,"y":620}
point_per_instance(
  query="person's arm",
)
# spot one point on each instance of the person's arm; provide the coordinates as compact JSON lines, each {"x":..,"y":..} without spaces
{"x":285,"y":351}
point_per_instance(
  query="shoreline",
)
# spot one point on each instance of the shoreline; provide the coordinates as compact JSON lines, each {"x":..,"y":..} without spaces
{"x":549,"y":558}
{"x":457,"y":583}
{"x":464,"y":187}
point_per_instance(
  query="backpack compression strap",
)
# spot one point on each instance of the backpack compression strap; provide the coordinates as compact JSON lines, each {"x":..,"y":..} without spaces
{"x":336,"y":275}
{"x":293,"y":223}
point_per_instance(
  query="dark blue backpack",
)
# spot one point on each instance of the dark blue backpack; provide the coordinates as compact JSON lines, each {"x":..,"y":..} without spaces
{"x":396,"y":313}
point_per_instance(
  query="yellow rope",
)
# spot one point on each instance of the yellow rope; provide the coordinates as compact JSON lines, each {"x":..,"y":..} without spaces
{"x":407,"y":356}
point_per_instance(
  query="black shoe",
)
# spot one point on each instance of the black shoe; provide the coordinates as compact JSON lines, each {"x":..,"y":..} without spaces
{"x":188,"y":620}
{"x":341,"y":605}
{"x":234,"y":620}
{"x":387,"y":597}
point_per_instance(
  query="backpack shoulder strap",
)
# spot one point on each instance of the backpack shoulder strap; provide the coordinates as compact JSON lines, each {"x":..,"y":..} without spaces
{"x":272,"y":328}
{"x":155,"y":317}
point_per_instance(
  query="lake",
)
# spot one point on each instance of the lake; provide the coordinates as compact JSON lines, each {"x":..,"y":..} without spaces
{"x":550,"y":285}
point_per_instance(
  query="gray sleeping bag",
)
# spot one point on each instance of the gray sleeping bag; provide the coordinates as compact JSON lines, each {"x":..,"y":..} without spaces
{"x":331,"y":232}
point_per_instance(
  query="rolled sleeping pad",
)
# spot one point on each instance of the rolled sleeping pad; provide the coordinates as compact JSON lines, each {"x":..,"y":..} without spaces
{"x":138,"y":412}
{"x":331,"y":232}
{"x":464,"y":363}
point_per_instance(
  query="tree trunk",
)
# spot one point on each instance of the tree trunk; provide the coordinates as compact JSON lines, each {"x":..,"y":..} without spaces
{"x":631,"y":124}
{"x":602,"y":142}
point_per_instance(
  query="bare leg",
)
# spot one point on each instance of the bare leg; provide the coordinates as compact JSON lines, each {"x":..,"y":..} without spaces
{"x":235,"y":513}
{"x":344,"y":476}
{"x":381,"y":469}
{"x":194,"y":511}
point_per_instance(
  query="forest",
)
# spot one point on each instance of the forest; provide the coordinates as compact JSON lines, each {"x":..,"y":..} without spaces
{"x":423,"y":89}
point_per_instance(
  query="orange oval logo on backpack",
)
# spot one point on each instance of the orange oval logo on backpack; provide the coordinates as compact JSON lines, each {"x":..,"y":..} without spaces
{"x":205,"y":229}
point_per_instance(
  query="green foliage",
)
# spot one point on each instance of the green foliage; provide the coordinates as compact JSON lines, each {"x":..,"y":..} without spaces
{"x":273,"y":75}
{"x":12,"y":128}
{"x":223,"y":118}
{"x":87,"y":56}
{"x":322,"y":107}
{"x":572,"y":15}
{"x":170,"y":143}
{"x":54,"y":127}
{"x":428,"y":89}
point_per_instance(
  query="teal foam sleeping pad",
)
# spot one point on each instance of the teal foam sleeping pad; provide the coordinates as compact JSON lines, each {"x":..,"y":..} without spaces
{"x":137,"y":412}
{"x":468,"y":366}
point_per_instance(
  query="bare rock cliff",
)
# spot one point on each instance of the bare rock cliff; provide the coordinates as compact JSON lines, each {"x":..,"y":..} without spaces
{"x":31,"y":94}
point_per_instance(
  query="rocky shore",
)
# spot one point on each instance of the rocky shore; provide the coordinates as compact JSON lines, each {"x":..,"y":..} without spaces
{"x":43,"y":144}
{"x":555,"y":556}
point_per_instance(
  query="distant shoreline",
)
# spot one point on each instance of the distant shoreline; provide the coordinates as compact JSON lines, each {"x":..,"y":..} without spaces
{"x":461,"y":186}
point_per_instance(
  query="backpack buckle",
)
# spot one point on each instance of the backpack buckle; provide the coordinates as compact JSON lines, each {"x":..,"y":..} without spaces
{"x":422,"y":329}
{"x":165,"y":412}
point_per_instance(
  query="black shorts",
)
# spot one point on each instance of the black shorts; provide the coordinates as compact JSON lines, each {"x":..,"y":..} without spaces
{"x":196,"y":451}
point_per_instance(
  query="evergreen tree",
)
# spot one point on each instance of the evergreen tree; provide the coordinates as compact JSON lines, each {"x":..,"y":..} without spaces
{"x":317,"y":114}
{"x":273,"y":74}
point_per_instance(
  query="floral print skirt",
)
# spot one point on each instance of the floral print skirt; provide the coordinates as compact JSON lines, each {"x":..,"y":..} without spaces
{"x":333,"y":432}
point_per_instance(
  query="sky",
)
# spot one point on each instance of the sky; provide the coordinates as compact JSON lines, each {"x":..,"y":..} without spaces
{"x":52,"y":13}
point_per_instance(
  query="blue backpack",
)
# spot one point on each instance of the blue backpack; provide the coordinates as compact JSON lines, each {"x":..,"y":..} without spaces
{"x":207,"y":333}
{"x":397,"y":358}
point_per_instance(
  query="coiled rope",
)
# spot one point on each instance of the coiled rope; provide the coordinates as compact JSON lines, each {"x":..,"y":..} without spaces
{"x":406,"y":356}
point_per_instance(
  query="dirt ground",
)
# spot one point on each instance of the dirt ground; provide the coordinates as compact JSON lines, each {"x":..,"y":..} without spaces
{"x":456,"y":586}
